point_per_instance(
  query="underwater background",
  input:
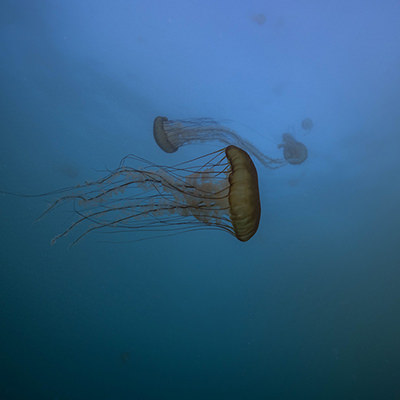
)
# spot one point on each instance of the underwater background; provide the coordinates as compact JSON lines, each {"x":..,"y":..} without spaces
{"x":306,"y":309}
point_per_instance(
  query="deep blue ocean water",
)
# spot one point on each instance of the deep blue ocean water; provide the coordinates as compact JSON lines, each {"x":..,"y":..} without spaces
{"x":309,"y":308}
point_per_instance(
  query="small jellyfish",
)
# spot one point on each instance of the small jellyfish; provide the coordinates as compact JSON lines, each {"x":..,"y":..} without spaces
{"x":259,"y":19}
{"x":125,"y":356}
{"x":307,"y":124}
{"x":294,"y":152}
{"x":170,"y":135}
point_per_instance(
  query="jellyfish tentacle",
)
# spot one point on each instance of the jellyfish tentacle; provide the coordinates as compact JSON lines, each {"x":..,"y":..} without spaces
{"x":214,"y":191}
{"x":170,"y":135}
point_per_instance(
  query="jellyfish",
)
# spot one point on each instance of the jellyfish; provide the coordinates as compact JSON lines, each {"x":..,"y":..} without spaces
{"x":259,"y":19}
{"x":171,"y":135}
{"x":215,"y":191}
{"x":294,"y":152}
{"x":307,"y":124}
{"x":125,"y":356}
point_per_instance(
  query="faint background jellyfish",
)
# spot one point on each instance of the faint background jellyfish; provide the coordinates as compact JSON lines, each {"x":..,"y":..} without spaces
{"x":294,"y":152}
{"x":67,"y":169}
{"x":307,"y":124}
{"x":125,"y":356}
{"x":259,"y":19}
{"x":170,"y":135}
{"x":215,"y":191}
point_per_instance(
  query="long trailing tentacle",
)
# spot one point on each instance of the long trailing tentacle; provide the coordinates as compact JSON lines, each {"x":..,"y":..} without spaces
{"x":190,"y":195}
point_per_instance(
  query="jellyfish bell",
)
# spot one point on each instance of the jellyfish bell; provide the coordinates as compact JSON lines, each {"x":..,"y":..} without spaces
{"x":244,"y":198}
{"x":307,"y":124}
{"x":161,"y":136}
{"x":170,"y":135}
{"x":216,"y":191}
{"x":294,"y":152}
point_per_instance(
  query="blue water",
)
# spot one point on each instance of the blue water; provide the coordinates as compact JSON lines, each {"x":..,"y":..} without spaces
{"x":306,"y":309}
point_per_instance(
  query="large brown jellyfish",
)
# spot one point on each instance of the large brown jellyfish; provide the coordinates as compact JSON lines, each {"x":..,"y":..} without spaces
{"x":170,"y":135}
{"x":215,"y":191}
{"x":294,"y":152}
